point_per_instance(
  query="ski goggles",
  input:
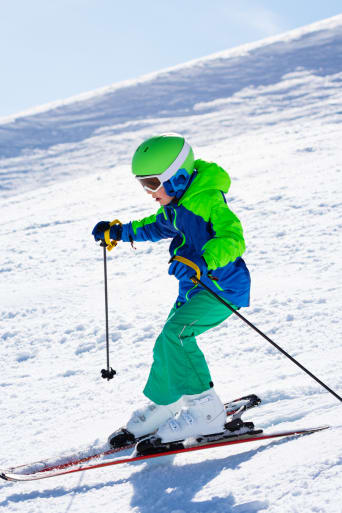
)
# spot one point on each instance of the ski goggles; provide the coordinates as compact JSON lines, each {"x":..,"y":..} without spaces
{"x":150,"y":183}
{"x":153,"y":183}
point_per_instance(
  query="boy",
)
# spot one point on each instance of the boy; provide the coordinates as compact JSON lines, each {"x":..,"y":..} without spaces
{"x":194,"y":214}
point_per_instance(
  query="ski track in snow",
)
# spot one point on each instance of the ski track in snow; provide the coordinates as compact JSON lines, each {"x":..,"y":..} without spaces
{"x":270,"y":113}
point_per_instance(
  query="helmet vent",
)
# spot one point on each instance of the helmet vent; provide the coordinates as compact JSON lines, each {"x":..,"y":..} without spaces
{"x":147,"y":148}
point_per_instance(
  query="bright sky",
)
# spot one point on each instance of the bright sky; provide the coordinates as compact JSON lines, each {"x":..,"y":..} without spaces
{"x":54,"y":49}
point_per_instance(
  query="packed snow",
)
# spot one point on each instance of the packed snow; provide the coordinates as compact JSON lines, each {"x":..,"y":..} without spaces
{"x":270,"y":113}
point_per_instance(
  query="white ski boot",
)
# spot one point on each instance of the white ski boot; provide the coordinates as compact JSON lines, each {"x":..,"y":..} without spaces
{"x":143,"y":422}
{"x":202,"y":414}
{"x":148,"y":419}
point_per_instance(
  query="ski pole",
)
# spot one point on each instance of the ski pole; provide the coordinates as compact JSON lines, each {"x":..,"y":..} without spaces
{"x":107,"y":244}
{"x":109,"y":372}
{"x":196,"y":279}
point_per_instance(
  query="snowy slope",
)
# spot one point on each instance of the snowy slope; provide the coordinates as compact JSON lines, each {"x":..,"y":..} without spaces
{"x":254,"y":85}
{"x":271,"y":114}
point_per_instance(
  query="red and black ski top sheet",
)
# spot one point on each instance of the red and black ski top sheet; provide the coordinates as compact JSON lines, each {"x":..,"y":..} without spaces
{"x":51,"y":468}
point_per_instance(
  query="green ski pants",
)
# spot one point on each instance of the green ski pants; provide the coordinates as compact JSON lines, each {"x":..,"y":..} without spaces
{"x":179,"y":366}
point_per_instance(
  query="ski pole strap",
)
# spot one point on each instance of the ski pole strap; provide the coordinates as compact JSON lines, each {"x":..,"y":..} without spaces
{"x":110,"y":244}
{"x":189,"y":263}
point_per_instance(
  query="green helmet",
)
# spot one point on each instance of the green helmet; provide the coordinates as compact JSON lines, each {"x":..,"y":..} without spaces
{"x":165,"y":153}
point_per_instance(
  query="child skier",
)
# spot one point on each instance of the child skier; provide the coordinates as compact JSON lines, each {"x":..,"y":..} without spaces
{"x":194,"y":214}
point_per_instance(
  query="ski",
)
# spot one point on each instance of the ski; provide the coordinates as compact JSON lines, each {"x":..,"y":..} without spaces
{"x":232,"y":440}
{"x":233,"y":408}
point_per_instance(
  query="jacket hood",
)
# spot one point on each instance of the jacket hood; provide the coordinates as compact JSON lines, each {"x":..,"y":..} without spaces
{"x":209,"y":176}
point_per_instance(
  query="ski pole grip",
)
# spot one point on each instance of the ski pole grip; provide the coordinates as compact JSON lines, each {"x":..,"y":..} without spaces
{"x":191,"y":264}
{"x":110,"y":244}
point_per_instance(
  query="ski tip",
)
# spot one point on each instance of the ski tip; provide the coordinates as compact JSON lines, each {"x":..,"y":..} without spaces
{"x":306,"y":431}
{"x":320,"y":428}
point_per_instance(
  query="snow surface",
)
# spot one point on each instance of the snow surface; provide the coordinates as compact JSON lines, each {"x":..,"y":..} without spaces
{"x":271,"y":114}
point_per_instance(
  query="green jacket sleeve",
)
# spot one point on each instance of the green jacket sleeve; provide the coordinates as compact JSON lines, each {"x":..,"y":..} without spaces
{"x":228,"y":242}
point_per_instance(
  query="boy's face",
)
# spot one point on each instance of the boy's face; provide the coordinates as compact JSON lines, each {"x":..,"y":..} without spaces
{"x":161,"y":196}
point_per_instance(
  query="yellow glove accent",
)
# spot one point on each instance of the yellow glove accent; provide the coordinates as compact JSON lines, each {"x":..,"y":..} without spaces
{"x":189,"y":263}
{"x":111,"y":243}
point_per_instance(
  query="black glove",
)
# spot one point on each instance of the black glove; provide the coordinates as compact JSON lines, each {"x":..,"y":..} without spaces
{"x":99,"y":229}
{"x":182,"y":271}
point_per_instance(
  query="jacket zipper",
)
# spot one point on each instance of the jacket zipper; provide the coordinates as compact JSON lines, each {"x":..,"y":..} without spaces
{"x":178,"y":230}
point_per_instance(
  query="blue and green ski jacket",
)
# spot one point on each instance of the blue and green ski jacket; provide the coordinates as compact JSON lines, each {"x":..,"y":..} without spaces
{"x":200,"y":223}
